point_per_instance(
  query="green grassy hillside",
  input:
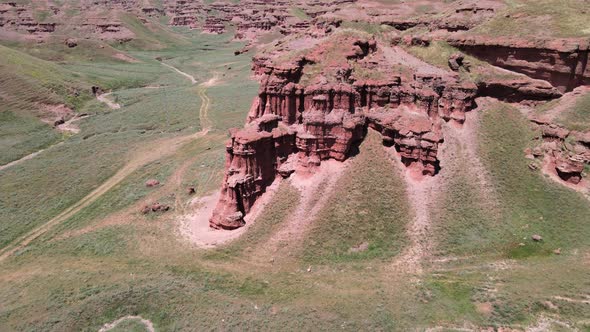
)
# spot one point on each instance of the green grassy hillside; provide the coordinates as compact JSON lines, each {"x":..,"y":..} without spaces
{"x":539,"y":19}
{"x":28,"y":85}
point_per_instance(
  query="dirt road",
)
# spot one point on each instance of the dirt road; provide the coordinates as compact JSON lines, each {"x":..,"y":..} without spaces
{"x":190,"y":77}
{"x":144,"y":156}
{"x":27,"y":157}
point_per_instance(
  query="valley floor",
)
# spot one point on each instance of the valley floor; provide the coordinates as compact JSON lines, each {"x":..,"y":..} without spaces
{"x":444,"y":254}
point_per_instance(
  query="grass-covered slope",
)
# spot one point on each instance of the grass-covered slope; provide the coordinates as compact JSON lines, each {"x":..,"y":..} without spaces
{"x":28,"y":85}
{"x":368,"y":207}
{"x":541,"y":18}
{"x":577,"y":117}
{"x":34,"y":191}
{"x":502,"y":276}
{"x":527,"y":202}
{"x":533,"y":203}
{"x":27,"y":81}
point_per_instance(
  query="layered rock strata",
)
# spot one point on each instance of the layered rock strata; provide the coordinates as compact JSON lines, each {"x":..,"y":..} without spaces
{"x":318,"y":106}
{"x":561,"y":62}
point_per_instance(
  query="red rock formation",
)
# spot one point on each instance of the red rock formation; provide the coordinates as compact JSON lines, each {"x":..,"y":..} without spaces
{"x":253,"y":155}
{"x":561,"y":62}
{"x":299,"y":120}
{"x":214,"y":25}
{"x":569,"y":169}
{"x":568,"y":157}
{"x":152,"y":11}
{"x":516,"y":89}
{"x":452,"y":17}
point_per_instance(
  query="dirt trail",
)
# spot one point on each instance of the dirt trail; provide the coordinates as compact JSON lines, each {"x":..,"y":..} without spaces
{"x":569,"y":299}
{"x":103,"y":98}
{"x":147,"y":323}
{"x":27,"y":157}
{"x":143,"y":156}
{"x":550,"y":324}
{"x":70,"y":126}
{"x":125,"y":216}
{"x":190,"y":77}
{"x":67,"y":126}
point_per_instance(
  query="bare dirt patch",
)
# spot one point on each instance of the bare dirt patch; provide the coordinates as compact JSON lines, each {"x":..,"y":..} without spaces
{"x":549,"y":324}
{"x":111,"y":104}
{"x":195,"y":226}
{"x":149,"y":326}
{"x":55,"y":114}
{"x":70,"y":126}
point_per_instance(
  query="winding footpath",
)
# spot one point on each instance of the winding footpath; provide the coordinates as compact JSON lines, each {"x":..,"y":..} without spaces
{"x":102,"y":98}
{"x":160,"y":149}
{"x":190,"y":77}
{"x":27,"y":157}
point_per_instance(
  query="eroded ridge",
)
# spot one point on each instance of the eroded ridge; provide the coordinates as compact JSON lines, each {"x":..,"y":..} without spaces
{"x":316,"y":104}
{"x":561,"y":62}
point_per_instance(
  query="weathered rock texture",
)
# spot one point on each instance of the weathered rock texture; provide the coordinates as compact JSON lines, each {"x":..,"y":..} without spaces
{"x":317,"y":106}
{"x":561,"y":62}
{"x":566,"y":151}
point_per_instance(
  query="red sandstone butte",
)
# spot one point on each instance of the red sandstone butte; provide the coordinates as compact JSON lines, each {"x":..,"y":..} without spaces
{"x":318,"y":105}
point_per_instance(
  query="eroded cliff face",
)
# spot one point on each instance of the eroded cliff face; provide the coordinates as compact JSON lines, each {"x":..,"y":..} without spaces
{"x":561,"y":62}
{"x":318,"y":105}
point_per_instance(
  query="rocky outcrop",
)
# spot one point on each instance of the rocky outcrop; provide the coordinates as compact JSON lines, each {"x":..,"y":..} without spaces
{"x":188,"y":21}
{"x":453,"y":17}
{"x":565,"y":151}
{"x":561,"y":62}
{"x":250,"y":18}
{"x":516,"y":89}
{"x":152,"y":11}
{"x":297,"y":121}
{"x":214,"y":25}
{"x":253,"y":156}
{"x":569,"y":168}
